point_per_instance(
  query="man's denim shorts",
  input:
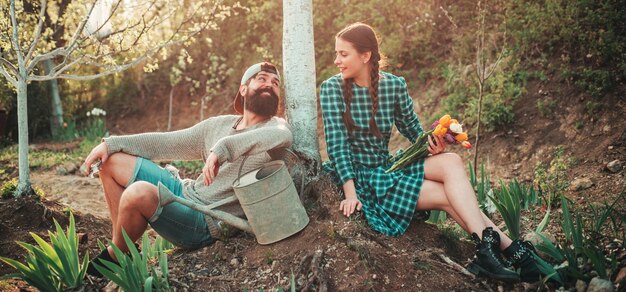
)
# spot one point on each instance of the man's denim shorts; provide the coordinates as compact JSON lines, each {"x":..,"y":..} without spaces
{"x":178,"y":224}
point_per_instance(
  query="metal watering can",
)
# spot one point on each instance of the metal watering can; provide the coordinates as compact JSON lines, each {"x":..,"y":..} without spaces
{"x":267,"y":196}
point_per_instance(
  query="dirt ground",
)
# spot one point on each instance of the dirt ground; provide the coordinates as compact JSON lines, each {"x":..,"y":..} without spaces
{"x":338,"y":254}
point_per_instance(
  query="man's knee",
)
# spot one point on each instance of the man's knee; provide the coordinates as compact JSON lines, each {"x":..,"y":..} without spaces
{"x":141,"y":196}
{"x":119,"y":166}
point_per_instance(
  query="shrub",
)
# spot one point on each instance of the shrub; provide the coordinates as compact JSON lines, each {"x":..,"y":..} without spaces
{"x":552,"y":181}
{"x":55,"y":266}
{"x":8,"y":188}
{"x":135,"y":271}
{"x":580,"y":247}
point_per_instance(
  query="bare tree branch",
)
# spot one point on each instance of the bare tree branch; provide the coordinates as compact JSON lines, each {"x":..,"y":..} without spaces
{"x":7,"y":75}
{"x":37,"y":30}
{"x":15,"y":39}
{"x":54,"y":53}
{"x":6,"y":62}
{"x":112,"y":69}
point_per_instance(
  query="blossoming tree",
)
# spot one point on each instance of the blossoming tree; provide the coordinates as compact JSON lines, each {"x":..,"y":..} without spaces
{"x":99,"y":38}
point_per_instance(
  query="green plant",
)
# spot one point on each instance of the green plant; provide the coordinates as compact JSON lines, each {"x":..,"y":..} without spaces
{"x":579,"y":125}
{"x":482,"y":188}
{"x":546,"y":107}
{"x":133,"y":271}
{"x":94,"y":127}
{"x":578,"y":248}
{"x":269,"y":257}
{"x":436,"y":217}
{"x":600,"y":216}
{"x":55,"y":266}
{"x":552,"y":181}
{"x":67,"y":131}
{"x":190,"y":166}
{"x":509,"y":203}
{"x":8,"y":188}
{"x":592,"y":107}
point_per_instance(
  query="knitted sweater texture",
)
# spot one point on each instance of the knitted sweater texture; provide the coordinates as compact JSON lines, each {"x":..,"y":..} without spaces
{"x":217,"y":135}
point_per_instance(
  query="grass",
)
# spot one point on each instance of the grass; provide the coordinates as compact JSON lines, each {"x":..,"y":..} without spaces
{"x":42,"y":159}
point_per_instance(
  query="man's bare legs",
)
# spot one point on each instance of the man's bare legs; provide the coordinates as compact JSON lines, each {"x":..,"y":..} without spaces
{"x":129,"y":208}
{"x":447,"y":188}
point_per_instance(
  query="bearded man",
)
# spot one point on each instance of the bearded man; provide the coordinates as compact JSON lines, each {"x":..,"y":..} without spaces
{"x":132,"y":182}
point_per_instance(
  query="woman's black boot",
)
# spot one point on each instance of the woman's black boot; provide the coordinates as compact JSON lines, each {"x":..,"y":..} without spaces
{"x":522,"y":255}
{"x":488,"y":259}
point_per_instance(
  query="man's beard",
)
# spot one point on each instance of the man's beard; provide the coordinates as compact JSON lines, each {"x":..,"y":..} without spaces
{"x":263,"y":102}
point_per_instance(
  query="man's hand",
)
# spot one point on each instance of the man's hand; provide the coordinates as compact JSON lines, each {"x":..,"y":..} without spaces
{"x":99,"y":152}
{"x":436,"y":144}
{"x":210,"y":169}
{"x":349,"y":205}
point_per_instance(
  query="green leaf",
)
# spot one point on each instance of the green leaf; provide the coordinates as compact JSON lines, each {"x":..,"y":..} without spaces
{"x":544,"y":222}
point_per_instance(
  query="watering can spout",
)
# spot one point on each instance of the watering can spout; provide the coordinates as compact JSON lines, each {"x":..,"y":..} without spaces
{"x":166,"y":197}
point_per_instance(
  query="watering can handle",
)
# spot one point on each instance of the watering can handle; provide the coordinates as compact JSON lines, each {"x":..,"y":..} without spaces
{"x":273,"y":153}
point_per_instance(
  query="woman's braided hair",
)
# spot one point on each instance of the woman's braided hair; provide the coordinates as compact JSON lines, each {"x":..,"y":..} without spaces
{"x":364,"y":39}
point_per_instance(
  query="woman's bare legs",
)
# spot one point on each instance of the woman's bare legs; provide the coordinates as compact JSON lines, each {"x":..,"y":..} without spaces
{"x":447,"y":188}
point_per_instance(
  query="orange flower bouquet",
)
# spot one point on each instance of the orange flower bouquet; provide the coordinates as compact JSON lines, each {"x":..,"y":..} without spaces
{"x":446,"y":127}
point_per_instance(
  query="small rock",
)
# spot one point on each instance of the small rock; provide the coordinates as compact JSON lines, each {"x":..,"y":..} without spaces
{"x":581,"y":286}
{"x":517,"y":166}
{"x":610,"y":147}
{"x":535,"y":239}
{"x":615,"y":166}
{"x":234,"y":262}
{"x":66,"y":168}
{"x":111,"y":287}
{"x":600,"y":285}
{"x":581,"y":184}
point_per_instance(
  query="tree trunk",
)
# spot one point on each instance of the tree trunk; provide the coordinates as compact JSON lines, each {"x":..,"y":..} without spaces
{"x":56,"y":120}
{"x":299,"y":79}
{"x":480,"y":111}
{"x":24,"y":186}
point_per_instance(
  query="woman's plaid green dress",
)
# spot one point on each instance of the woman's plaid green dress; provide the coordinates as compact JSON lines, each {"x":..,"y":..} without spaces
{"x":388,"y":200}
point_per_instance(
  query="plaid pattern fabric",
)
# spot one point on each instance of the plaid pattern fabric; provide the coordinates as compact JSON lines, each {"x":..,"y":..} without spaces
{"x":388,"y":200}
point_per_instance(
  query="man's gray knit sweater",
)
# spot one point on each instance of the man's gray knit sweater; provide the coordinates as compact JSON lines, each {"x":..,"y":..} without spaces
{"x":217,"y":135}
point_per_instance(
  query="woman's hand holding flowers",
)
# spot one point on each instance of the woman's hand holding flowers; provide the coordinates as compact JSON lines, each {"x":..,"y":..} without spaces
{"x":436,"y":144}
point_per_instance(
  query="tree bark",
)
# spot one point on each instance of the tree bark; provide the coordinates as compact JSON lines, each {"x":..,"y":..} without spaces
{"x":299,"y":79}
{"x":24,"y":185}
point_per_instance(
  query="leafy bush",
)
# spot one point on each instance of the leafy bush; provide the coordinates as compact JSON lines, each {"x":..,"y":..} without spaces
{"x":580,"y":247}
{"x":552,"y":181}
{"x":501,"y":91}
{"x":55,"y":266}
{"x":589,"y":36}
{"x":8,"y":188}
{"x":134,"y":271}
{"x":510,"y":200}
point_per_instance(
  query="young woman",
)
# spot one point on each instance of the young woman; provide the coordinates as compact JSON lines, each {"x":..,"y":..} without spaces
{"x":359,"y":107}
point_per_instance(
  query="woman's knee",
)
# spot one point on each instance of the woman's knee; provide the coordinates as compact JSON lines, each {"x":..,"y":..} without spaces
{"x":453,"y":159}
